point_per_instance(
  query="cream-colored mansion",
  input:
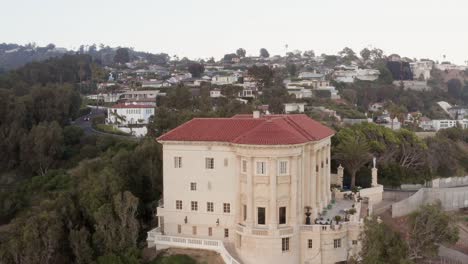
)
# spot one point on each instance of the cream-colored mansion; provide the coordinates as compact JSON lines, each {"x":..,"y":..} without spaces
{"x":256,"y":189}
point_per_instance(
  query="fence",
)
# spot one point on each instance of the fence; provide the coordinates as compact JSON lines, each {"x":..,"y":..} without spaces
{"x":197,"y":243}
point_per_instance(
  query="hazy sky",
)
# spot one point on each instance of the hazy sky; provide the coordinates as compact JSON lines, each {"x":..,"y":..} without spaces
{"x":204,"y":28}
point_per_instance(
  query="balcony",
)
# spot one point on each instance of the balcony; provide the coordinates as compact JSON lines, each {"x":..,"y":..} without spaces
{"x":281,"y":231}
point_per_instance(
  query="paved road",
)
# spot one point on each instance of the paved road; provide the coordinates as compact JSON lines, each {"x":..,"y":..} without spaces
{"x":86,"y":125}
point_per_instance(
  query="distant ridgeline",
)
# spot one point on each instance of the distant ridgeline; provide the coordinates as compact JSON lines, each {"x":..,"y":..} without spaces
{"x":13,"y":56}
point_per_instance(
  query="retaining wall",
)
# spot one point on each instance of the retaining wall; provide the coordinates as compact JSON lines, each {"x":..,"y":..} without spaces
{"x":451,"y":199}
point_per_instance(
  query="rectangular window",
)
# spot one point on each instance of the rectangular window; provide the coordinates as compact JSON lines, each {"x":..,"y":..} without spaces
{"x":209,"y":207}
{"x":261,"y":215}
{"x":179,"y":229}
{"x":226,"y":232}
{"x":309,"y":243}
{"x":177,"y":162}
{"x":210,"y":231}
{"x":178,"y":204}
{"x":336,"y":243}
{"x":244,"y":166}
{"x":245,"y":212}
{"x":209,"y":163}
{"x":227,"y":208}
{"x":261,"y":168}
{"x":282,"y":215}
{"x":194,"y":206}
{"x":354,"y":242}
{"x":193,"y":186}
{"x":285,"y":244}
{"x":283,"y":167}
{"x":194,"y":230}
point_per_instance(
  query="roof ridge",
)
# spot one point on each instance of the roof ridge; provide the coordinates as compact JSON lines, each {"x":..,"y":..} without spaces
{"x":299,"y":128}
{"x":248,"y":131}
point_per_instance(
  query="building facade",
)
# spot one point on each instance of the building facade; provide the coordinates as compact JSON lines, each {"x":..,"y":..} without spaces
{"x":129,"y":113}
{"x":260,"y":184}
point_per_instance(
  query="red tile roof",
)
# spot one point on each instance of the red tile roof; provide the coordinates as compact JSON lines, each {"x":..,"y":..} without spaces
{"x":244,"y":129}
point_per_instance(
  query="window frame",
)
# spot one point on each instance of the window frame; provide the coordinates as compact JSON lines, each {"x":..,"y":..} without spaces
{"x":263,"y":217}
{"x":286,"y":167}
{"x":177,"y":162}
{"x":244,"y":166}
{"x":194,"y":204}
{"x":226,"y":208}
{"x":209,"y":163}
{"x":179,"y":202}
{"x":264,"y":169}
{"x":309,"y":243}
{"x":210,"y":207}
{"x":337,"y":243}
{"x":280,"y":215}
{"x":226,"y":232}
{"x":193,"y":186}
{"x":285,"y":244}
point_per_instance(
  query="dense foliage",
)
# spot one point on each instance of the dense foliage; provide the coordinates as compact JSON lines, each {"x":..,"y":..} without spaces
{"x":68,"y":197}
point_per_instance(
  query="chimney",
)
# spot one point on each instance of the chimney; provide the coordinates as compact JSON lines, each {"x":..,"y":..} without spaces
{"x":256,"y":114}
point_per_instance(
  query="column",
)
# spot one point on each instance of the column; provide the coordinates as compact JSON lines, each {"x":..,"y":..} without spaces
{"x":313,"y":183}
{"x":300,"y":181}
{"x":250,"y":193}
{"x":293,"y":214}
{"x":238,"y":205}
{"x":328,"y":172}
{"x":305,"y":178}
{"x":319,"y":181}
{"x":324,"y":177}
{"x":273,"y":197}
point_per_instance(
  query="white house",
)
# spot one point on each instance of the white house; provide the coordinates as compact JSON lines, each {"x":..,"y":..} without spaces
{"x":439,"y":124}
{"x":129,"y":113}
{"x":215,"y":93}
{"x":223,"y":80}
{"x":421,"y":70}
{"x":256,"y":189}
{"x":348,"y":75}
{"x":294,"y":107}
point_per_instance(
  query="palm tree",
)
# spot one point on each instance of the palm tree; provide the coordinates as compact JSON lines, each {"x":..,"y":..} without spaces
{"x":353,"y":153}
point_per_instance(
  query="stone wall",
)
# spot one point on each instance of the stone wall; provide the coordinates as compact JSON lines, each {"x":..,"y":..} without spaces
{"x":450,"y":182}
{"x":451,"y":199}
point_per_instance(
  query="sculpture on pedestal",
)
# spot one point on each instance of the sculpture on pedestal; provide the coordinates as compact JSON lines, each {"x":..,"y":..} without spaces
{"x":374,"y":172}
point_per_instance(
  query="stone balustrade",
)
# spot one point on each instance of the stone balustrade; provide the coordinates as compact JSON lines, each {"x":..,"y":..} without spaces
{"x":155,"y":237}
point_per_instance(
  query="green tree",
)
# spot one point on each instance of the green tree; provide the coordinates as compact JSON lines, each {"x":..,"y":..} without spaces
{"x":264,"y":53}
{"x":42,"y":148}
{"x":122,"y":56}
{"x":365,"y":54}
{"x":381,"y":245}
{"x":240,"y":52}
{"x":80,"y":243}
{"x":196,"y":69}
{"x":429,"y":227}
{"x":352,"y":152}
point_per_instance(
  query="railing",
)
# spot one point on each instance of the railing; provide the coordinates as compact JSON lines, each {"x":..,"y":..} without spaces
{"x":155,"y":237}
{"x":260,"y":232}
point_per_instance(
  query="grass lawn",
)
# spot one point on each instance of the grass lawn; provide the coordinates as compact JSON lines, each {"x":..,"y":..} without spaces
{"x":110,"y":129}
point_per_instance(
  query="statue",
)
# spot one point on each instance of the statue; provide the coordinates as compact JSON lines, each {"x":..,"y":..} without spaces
{"x":374,"y":173}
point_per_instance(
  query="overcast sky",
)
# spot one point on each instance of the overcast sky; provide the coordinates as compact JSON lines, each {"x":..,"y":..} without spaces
{"x":204,"y":28}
